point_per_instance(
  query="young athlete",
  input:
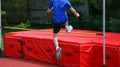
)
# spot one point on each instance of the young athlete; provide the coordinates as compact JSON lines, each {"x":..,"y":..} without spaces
{"x":60,"y":17}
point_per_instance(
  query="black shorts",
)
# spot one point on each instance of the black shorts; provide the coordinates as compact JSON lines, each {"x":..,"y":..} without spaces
{"x":57,"y":27}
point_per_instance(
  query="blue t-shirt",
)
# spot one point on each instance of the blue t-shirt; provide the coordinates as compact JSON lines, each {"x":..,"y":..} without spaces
{"x":59,"y":10}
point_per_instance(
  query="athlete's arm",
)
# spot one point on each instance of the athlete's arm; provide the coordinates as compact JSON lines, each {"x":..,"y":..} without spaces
{"x":50,"y":6}
{"x":74,"y":12}
{"x":72,"y":9}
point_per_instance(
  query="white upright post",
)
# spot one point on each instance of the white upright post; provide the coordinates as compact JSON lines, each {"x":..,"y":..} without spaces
{"x":0,"y":33}
{"x":104,"y":36}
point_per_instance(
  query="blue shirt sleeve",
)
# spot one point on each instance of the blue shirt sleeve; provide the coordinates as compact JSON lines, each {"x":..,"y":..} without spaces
{"x":68,"y":4}
{"x":50,"y":4}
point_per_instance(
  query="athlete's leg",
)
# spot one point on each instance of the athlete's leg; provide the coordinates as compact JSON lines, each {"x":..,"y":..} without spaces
{"x":56,"y":29}
{"x":66,"y":23}
{"x":55,"y":41}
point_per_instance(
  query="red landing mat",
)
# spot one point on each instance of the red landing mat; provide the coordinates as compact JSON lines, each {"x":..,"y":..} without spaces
{"x":15,"y":62}
{"x":80,"y":48}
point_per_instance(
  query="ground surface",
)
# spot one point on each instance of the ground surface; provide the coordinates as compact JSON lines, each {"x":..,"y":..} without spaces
{"x":14,"y":62}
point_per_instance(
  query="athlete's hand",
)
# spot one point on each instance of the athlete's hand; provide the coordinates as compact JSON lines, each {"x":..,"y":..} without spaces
{"x":49,"y":10}
{"x":77,"y":15}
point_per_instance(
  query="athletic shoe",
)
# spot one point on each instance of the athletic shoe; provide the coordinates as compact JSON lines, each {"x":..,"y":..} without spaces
{"x":69,"y":28}
{"x":58,"y":54}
